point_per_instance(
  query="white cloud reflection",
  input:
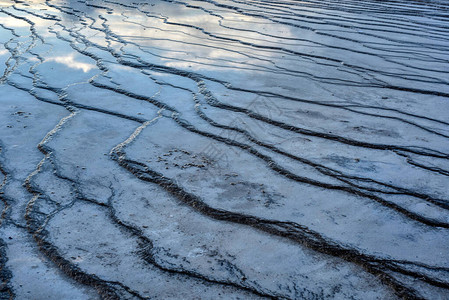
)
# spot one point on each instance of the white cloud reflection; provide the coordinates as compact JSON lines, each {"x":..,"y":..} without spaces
{"x":70,"y":62}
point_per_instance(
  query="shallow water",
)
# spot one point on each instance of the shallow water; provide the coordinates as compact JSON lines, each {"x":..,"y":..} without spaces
{"x":224,"y":149}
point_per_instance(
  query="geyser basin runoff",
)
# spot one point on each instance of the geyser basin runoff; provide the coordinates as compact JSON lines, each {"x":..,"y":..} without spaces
{"x":224,"y":149}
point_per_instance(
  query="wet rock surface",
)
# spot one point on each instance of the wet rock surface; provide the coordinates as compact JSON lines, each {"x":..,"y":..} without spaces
{"x":224,"y":149}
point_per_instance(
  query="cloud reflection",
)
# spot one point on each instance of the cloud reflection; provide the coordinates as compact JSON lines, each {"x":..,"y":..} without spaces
{"x":69,"y":61}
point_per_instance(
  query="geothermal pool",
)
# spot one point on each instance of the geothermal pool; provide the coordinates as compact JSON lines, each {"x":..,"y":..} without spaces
{"x":224,"y":149}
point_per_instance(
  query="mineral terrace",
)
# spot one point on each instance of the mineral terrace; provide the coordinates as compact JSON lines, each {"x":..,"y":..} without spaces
{"x":224,"y":149}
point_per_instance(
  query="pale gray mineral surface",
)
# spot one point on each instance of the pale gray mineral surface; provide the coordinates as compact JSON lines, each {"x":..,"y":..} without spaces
{"x":224,"y":149}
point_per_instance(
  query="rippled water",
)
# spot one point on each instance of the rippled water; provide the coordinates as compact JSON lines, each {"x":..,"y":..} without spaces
{"x":224,"y":149}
